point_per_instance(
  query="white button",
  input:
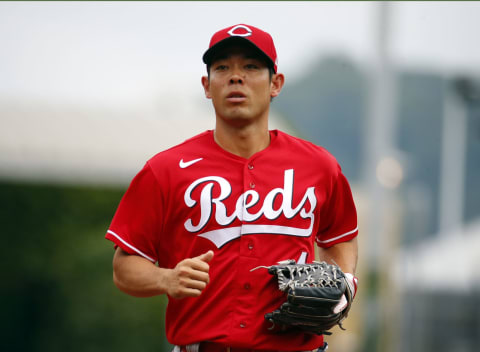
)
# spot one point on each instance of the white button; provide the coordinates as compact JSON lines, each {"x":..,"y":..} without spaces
{"x":252,"y":185}
{"x":250,"y":166}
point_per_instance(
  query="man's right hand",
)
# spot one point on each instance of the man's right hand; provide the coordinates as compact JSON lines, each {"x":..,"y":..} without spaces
{"x":190,"y":277}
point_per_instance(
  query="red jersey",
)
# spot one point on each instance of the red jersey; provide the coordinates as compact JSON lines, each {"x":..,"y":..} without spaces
{"x":251,"y":212}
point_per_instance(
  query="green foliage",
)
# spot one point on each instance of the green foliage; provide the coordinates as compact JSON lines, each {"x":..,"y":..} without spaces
{"x":57,"y":282}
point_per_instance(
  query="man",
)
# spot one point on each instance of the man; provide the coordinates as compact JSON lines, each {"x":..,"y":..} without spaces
{"x":229,"y":200}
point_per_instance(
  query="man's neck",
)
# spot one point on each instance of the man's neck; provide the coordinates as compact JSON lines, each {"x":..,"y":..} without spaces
{"x":244,"y":141}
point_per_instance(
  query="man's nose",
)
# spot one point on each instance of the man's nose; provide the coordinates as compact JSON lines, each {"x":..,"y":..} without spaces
{"x":236,"y":79}
{"x":237,"y":76}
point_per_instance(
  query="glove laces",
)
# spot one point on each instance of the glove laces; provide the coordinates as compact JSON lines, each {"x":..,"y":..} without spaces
{"x":316,"y":274}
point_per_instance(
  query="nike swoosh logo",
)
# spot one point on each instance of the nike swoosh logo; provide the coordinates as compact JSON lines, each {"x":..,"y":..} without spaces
{"x":184,"y":164}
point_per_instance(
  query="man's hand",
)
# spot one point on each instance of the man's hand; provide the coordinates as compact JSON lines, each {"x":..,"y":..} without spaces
{"x":190,"y":277}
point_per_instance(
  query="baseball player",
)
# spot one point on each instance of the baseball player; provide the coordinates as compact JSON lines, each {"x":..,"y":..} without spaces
{"x":200,"y":216}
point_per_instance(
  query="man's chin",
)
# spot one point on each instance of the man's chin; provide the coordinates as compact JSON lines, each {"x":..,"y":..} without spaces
{"x":237,"y":113}
{"x":238,"y":119}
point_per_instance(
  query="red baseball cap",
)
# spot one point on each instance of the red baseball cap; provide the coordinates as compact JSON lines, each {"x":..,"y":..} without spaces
{"x":241,"y":32}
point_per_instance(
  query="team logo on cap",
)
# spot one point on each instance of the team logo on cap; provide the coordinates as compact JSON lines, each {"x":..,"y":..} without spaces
{"x":241,"y":33}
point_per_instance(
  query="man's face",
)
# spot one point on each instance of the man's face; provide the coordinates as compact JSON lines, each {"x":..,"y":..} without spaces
{"x":240,"y":85}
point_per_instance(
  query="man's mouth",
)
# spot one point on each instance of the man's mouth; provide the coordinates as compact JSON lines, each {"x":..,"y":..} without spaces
{"x":236,"y":97}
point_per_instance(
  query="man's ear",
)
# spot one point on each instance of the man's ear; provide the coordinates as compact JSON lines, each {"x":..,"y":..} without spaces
{"x":276,"y":85}
{"x":206,"y":87}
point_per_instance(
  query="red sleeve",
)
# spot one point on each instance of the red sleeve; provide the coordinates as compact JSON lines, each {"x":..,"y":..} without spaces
{"x":136,"y":224}
{"x":338,"y":216}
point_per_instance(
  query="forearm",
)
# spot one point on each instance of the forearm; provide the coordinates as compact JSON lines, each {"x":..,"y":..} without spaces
{"x":344,"y":254}
{"x":137,"y":276}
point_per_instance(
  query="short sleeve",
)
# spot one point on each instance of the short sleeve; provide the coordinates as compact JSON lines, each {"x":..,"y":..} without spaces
{"x":136,"y":225}
{"x":338,"y":217}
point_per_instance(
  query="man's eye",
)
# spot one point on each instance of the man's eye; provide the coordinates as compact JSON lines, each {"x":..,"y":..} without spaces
{"x":220,"y":67}
{"x":252,"y":66}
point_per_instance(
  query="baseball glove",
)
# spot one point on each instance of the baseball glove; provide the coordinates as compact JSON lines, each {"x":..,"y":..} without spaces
{"x":313,"y":291}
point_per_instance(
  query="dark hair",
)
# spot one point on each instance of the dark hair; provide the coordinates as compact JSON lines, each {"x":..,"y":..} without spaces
{"x":271,"y":71}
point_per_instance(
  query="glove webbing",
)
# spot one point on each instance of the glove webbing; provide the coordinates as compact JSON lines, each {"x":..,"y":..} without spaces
{"x":296,"y":273}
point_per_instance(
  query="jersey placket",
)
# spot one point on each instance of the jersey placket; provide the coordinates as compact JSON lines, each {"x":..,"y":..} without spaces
{"x":248,"y":258}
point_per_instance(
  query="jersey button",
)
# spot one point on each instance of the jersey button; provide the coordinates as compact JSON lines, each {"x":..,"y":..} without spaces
{"x":250,"y":245}
{"x":247,"y":286}
{"x":242,"y":324}
{"x":252,"y":185}
{"x":250,"y":166}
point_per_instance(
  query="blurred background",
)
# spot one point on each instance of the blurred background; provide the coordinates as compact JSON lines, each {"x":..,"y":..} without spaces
{"x":90,"y":90}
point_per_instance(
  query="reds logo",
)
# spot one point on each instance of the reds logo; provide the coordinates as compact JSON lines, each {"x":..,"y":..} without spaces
{"x":244,"y":31}
{"x":241,"y":212}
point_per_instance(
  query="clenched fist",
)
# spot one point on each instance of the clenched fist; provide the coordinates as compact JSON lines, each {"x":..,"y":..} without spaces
{"x":190,"y":277}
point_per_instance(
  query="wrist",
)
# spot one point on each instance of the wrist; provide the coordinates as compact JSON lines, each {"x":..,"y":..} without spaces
{"x":352,"y":282}
{"x":163,"y":280}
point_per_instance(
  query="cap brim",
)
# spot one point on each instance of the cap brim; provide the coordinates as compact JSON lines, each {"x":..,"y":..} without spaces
{"x":210,"y":53}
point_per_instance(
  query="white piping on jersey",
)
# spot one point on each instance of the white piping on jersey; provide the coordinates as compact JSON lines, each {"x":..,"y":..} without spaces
{"x":222,"y":236}
{"x":130,"y":246}
{"x":338,"y":237}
